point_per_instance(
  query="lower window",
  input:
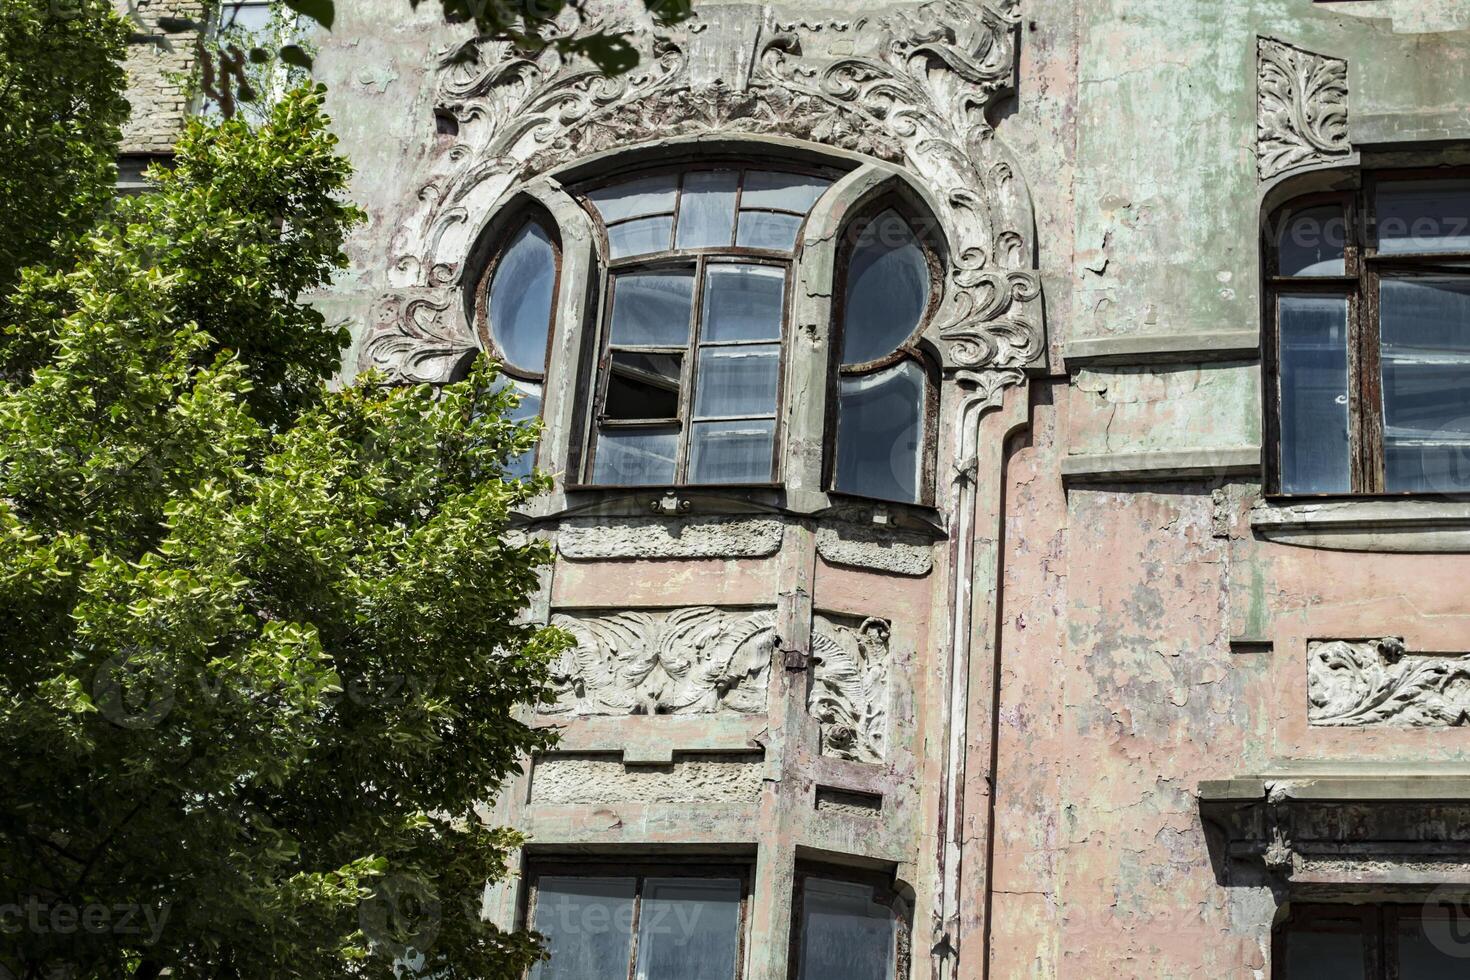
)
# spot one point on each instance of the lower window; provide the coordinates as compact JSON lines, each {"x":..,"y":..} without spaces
{"x":848,"y":927}
{"x":653,"y":922}
{"x":1374,"y":942}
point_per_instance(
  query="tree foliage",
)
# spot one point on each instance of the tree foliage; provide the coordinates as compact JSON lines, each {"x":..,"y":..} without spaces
{"x":61,"y":106}
{"x":262,"y":643}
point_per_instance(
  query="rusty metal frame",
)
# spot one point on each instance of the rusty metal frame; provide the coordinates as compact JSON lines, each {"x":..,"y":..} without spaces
{"x":1361,"y":285}
{"x":640,"y":870}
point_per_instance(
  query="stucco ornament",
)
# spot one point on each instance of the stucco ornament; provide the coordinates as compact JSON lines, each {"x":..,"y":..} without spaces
{"x":416,"y":339}
{"x":700,"y":536}
{"x":1378,"y":683}
{"x":686,"y":661}
{"x":849,"y":695}
{"x":1302,"y":108}
{"x":910,"y":85}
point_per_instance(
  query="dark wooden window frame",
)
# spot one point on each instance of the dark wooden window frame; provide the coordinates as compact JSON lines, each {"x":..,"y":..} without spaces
{"x":909,"y":350}
{"x":642,"y":870}
{"x":1380,"y":924}
{"x":531,"y":216}
{"x":1364,"y":272}
{"x":883,"y":894}
{"x":697,"y":259}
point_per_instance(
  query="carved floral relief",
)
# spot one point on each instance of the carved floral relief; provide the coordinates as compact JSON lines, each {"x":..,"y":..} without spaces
{"x":685,"y":661}
{"x":910,"y":85}
{"x":1378,"y":682}
{"x":1302,"y":108}
{"x":849,"y":694}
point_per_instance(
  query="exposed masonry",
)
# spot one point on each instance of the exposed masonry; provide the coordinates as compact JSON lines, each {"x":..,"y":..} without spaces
{"x":159,"y":67}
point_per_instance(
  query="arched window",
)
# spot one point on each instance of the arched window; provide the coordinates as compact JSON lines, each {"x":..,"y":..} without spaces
{"x":516,"y":303}
{"x":884,"y":405}
{"x":695,"y":306}
{"x":1368,"y":338}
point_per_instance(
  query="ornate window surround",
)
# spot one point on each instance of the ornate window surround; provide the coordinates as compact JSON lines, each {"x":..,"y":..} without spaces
{"x":900,"y":96}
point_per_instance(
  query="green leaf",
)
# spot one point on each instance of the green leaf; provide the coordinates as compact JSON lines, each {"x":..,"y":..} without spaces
{"x":293,"y":54}
{"x":324,"y":12}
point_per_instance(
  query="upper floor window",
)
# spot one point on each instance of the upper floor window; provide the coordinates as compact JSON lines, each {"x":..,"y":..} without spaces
{"x":515,"y":309}
{"x":664,"y":334}
{"x":1369,"y":339}
{"x":1424,"y":941}
{"x":885,"y":401}
{"x":692,"y":346}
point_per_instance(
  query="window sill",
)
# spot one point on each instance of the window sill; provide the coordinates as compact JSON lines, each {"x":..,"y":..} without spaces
{"x":1405,"y":525}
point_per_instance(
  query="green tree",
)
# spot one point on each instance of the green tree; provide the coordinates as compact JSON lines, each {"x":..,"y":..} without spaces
{"x":61,"y":105}
{"x":262,"y":646}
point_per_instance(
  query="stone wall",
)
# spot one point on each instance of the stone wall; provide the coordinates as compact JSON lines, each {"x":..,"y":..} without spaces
{"x":160,"y":65}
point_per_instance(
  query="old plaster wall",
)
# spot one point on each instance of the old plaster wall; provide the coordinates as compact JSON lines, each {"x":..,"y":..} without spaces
{"x":1151,"y":637}
{"x":1146,"y":635}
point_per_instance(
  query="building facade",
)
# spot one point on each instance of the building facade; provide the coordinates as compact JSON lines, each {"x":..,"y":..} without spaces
{"x":1012,"y":471}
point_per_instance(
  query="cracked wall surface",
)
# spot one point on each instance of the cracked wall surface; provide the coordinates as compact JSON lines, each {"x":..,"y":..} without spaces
{"x":1101,"y":614}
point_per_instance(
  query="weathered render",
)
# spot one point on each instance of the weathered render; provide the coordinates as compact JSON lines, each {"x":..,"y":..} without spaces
{"x":1105,"y":708}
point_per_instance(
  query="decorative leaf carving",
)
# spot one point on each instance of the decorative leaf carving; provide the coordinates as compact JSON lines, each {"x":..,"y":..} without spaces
{"x":1378,"y":683}
{"x":1301,"y":111}
{"x":910,"y":85}
{"x":687,"y":661}
{"x":849,"y":695}
{"x":416,"y":340}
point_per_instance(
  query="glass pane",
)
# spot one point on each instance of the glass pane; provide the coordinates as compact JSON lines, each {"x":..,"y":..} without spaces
{"x":521,"y":294}
{"x":731,"y":452}
{"x":1424,"y":216}
{"x":738,"y":380}
{"x":588,"y":925}
{"x":1314,"y":395}
{"x":636,"y":457}
{"x":887,"y":289}
{"x":1325,"y":955}
{"x":642,"y":386}
{"x":845,"y":935}
{"x":880,"y":433}
{"x":764,"y":229}
{"x":529,"y":408}
{"x":640,"y":236}
{"x":688,"y":928}
{"x":743,"y":302}
{"x":1312,"y":243}
{"x":707,"y":210}
{"x":1437,"y":947}
{"x":1426,"y":397}
{"x":635,"y":198}
{"x":652,"y":309}
{"x":252,"y":19}
{"x":785,"y":192}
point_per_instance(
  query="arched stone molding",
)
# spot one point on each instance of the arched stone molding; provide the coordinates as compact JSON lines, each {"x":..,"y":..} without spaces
{"x":910,"y":86}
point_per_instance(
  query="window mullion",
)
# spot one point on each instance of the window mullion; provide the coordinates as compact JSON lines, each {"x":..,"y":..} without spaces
{"x":691,"y":374}
{"x":633,"y":939}
{"x":1370,"y":395}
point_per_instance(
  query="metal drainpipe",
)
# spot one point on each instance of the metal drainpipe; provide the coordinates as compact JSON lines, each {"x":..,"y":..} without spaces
{"x":990,"y":391}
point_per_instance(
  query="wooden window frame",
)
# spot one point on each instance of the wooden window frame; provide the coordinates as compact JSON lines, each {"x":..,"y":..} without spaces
{"x":883,"y":894}
{"x":1361,"y":284}
{"x":908,"y":350}
{"x":641,"y":870}
{"x":698,"y":260}
{"x":1379,"y":923}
